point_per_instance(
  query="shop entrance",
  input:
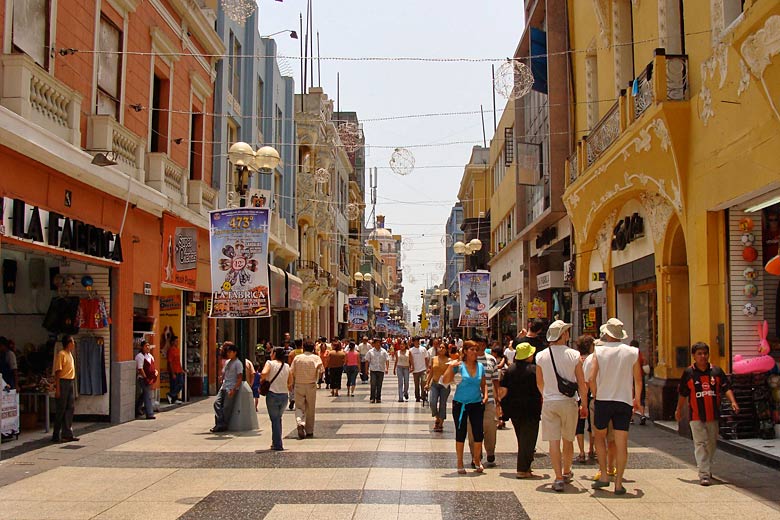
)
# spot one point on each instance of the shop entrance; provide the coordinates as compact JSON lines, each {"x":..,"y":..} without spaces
{"x":637,"y":309}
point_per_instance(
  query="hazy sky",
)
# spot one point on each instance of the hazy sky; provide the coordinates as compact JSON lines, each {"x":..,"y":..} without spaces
{"x":416,"y":206}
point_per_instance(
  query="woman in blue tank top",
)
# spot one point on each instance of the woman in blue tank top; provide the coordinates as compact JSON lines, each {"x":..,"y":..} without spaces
{"x":468,"y":403}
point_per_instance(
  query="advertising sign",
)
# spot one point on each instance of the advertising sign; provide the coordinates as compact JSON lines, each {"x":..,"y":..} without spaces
{"x":179,"y":254}
{"x":474,"y":298}
{"x":171,"y":306}
{"x":239,"y":263}
{"x":434,"y":323}
{"x":9,"y":412}
{"x":537,"y":309}
{"x":358,"y":313}
{"x":381,"y":321}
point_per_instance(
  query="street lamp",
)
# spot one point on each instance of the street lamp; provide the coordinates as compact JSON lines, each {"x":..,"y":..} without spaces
{"x":468,"y":250}
{"x":246,"y":161}
{"x":293,"y":34}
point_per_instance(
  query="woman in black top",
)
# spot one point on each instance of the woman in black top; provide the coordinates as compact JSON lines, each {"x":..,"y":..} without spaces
{"x":522,"y":403}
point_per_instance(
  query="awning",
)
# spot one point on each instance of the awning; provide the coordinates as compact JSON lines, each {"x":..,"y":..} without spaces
{"x":294,"y":292}
{"x":498,"y":305}
{"x":278,"y":287}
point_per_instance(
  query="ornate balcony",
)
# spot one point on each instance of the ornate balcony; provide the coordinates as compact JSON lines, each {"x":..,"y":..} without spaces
{"x":105,"y":134}
{"x":34,"y":94}
{"x":283,"y":239}
{"x":201,"y":197}
{"x":604,"y":134}
{"x":166,"y":176}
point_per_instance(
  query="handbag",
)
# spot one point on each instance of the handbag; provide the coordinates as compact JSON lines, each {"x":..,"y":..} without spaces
{"x":265,"y":386}
{"x":565,"y":386}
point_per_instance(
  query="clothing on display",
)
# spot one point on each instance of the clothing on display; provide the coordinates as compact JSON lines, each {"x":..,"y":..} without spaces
{"x":90,"y":366}
{"x":92,"y":313}
{"x":62,"y":316}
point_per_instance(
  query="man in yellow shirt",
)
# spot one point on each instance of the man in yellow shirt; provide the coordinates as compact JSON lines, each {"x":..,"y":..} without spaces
{"x":65,"y":391}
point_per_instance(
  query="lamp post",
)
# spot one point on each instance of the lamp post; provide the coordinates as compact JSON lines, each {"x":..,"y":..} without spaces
{"x":362,"y":278}
{"x":442,"y":294}
{"x":468,"y":250}
{"x":247,"y":161}
{"x":293,"y":34}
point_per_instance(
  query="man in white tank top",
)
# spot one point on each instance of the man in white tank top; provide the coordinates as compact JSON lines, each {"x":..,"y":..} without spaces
{"x":616,"y":384}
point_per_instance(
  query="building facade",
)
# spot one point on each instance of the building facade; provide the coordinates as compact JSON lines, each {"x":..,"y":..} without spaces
{"x":453,"y":263}
{"x":105,"y":163}
{"x":658,"y":191}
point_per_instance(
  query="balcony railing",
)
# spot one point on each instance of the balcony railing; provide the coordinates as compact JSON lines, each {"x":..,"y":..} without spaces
{"x":201,"y":197}
{"x":604,"y":134}
{"x":676,"y":77}
{"x":166,"y":176}
{"x":34,"y":94}
{"x":643,"y":91}
{"x":105,"y":134}
{"x":317,"y":271}
{"x":574,"y":170}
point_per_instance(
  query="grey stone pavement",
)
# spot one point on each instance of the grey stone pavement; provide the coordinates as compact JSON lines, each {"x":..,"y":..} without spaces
{"x":376,"y":461}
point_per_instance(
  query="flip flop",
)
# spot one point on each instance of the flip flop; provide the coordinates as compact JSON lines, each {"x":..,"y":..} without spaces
{"x":620,"y":491}
{"x":600,"y":484}
{"x":461,"y":471}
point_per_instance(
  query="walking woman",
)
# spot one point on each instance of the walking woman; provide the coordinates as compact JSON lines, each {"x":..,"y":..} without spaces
{"x":522,"y":403}
{"x":336,"y":360}
{"x":438,"y":392}
{"x":352,"y":368}
{"x":401,"y":369}
{"x":468,"y":403}
{"x":276,"y":371}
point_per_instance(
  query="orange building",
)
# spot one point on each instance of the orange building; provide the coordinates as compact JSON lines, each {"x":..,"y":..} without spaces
{"x":104,"y":123}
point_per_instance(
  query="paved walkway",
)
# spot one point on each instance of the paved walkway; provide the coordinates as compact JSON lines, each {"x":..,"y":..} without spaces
{"x":377,"y":461}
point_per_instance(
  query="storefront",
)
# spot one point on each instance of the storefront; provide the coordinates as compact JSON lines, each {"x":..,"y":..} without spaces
{"x":56,"y":273}
{"x":502,"y":317}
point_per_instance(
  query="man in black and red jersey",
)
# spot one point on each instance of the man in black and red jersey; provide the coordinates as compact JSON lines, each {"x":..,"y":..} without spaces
{"x":703,"y":386}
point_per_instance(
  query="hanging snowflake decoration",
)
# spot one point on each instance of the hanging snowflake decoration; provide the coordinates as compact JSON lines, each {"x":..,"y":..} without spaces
{"x":239,"y":10}
{"x":349,"y":134}
{"x":322,"y":176}
{"x":402,"y":161}
{"x":353,"y":211}
{"x":407,"y":243}
{"x":513,"y":79}
{"x":446,"y":240}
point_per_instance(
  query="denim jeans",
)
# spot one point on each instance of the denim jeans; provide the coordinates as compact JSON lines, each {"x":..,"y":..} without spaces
{"x":438,"y":400}
{"x":177,"y":385}
{"x":144,"y":399}
{"x":403,"y":382}
{"x":377,"y":378}
{"x":276,"y":403}
{"x":352,"y":372}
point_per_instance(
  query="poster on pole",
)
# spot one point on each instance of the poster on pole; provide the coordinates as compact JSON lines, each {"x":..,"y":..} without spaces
{"x":9,"y":412}
{"x":434,"y":325}
{"x":358,"y":313}
{"x":381,"y":321}
{"x":474,"y":298}
{"x":239,"y":263}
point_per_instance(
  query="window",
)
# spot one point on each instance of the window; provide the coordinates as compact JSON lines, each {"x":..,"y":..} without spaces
{"x":259,"y":107}
{"x":160,"y":96}
{"x":278,"y":128}
{"x":30,"y":29}
{"x":234,"y":68}
{"x":196,"y":145}
{"x":509,"y":146}
{"x":623,"y":37}
{"x":592,"y":88}
{"x":109,"y":69}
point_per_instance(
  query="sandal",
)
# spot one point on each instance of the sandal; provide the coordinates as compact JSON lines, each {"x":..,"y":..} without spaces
{"x":479,"y":468}
{"x":461,"y":471}
{"x":581,"y":459}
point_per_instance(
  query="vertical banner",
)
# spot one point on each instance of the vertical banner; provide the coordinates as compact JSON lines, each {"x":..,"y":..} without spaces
{"x":9,"y":412}
{"x":239,"y":263}
{"x":358,"y":313}
{"x":474,"y":298}
{"x":434,"y":325}
{"x":381,"y":321}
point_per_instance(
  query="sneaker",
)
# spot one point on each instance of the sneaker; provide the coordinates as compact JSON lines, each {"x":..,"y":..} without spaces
{"x":373,"y":401}
{"x":292,"y":404}
{"x":705,"y":481}
{"x":378,"y":401}
{"x":301,"y":431}
{"x":178,"y":401}
{"x":491,"y":461}
{"x":558,"y":486}
{"x":643,"y":420}
{"x":70,"y":439}
{"x":309,"y":435}
{"x":170,"y":399}
{"x":568,"y":477}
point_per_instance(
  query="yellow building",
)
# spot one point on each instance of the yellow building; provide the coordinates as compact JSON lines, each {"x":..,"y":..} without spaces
{"x":679,"y":145}
{"x":474,"y":193}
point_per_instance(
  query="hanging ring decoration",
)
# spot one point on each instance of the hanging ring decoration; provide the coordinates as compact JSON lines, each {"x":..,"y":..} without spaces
{"x":446,"y":240}
{"x":513,"y":80}
{"x":239,"y":10}
{"x":353,"y":211}
{"x":402,"y":161}
{"x":407,"y":244}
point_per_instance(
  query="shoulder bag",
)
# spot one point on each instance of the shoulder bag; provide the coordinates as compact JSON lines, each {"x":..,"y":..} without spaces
{"x":265,"y":386}
{"x":565,"y":386}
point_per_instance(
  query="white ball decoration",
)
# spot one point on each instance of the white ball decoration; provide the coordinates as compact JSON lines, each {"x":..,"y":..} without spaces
{"x":402,"y":161}
{"x":513,"y":79}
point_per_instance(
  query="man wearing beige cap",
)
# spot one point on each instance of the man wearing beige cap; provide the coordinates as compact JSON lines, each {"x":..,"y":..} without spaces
{"x":559,"y":377}
{"x":616,"y":384}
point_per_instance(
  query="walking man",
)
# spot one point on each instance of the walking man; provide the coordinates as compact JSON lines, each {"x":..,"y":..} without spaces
{"x":378,"y":362}
{"x":616,"y":385}
{"x":65,"y":392}
{"x":176,"y":372}
{"x":419,"y":367}
{"x":489,"y":420}
{"x":304,"y":374}
{"x":146,"y":375}
{"x":363,"y":348}
{"x":558,"y":373}
{"x":232,"y":379}
{"x":703,"y":386}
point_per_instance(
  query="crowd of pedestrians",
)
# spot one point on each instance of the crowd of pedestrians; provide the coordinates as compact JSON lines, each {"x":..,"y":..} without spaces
{"x":536,"y":382}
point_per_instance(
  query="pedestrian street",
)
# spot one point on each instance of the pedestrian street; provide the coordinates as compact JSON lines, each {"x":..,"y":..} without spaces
{"x":376,"y":461}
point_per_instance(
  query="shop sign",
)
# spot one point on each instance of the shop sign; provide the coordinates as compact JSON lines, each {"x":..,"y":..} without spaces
{"x":598,"y":277}
{"x":474,"y":298}
{"x":549,"y":280}
{"x":294,"y":293}
{"x":626,"y":231}
{"x":170,"y":318}
{"x":180,"y":253}
{"x":239,"y":263}
{"x":381,"y":321}
{"x":26,"y":222}
{"x":147,"y":288}
{"x":537,"y":309}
